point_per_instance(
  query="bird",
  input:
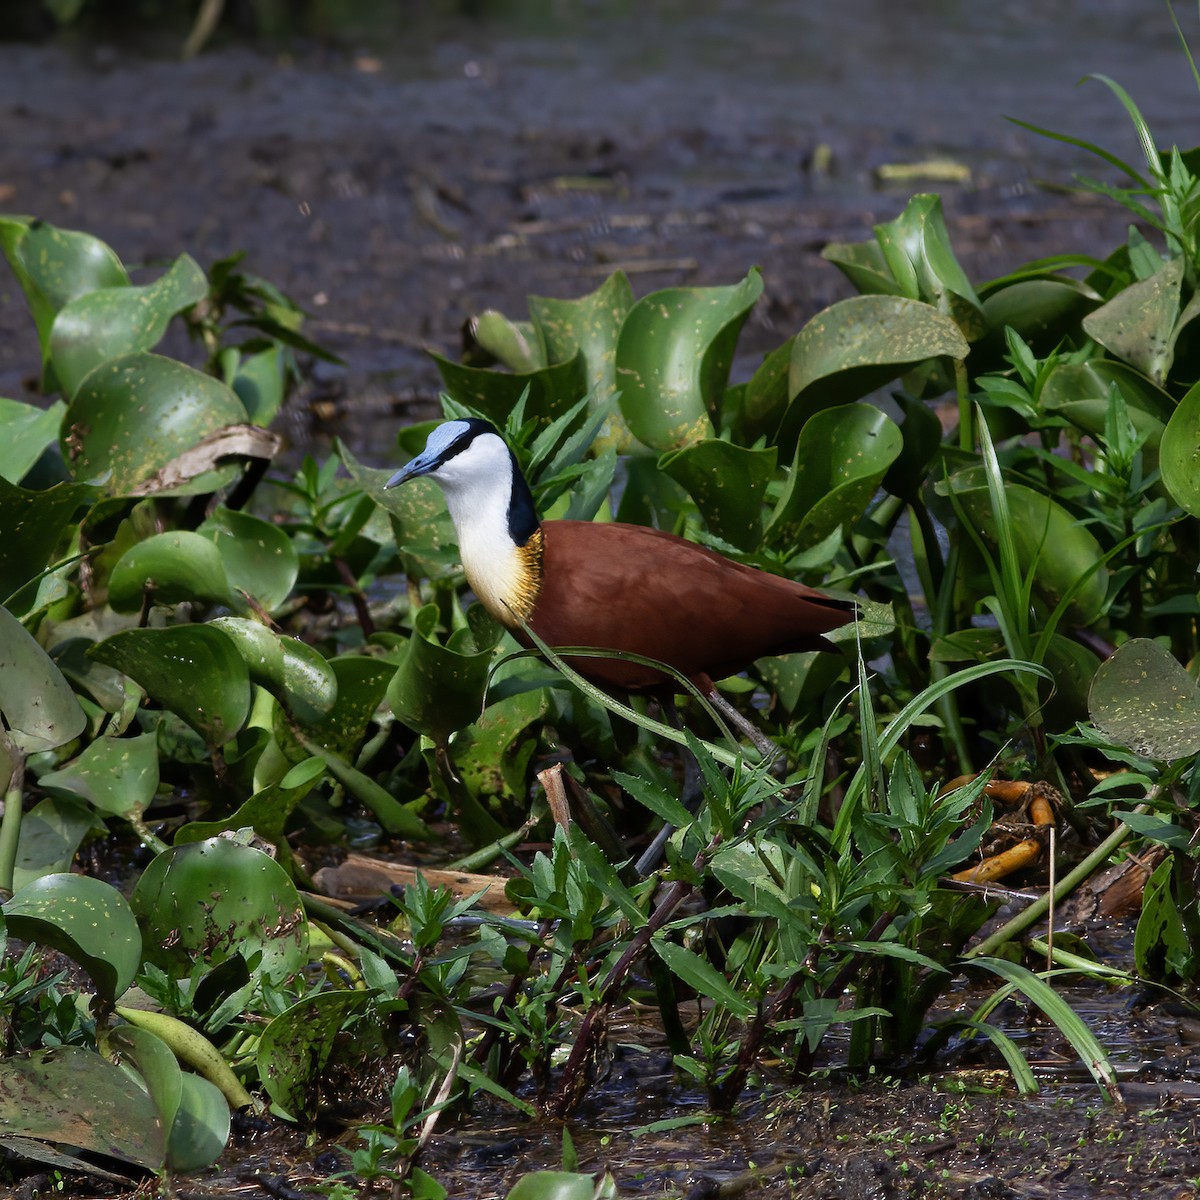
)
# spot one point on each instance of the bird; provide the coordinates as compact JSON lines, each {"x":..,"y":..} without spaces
{"x":610,"y":585}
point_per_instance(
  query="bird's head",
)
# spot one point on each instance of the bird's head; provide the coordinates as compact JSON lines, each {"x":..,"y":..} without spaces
{"x":472,"y":464}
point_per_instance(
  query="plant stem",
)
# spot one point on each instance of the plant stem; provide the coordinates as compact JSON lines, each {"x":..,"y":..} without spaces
{"x":10,"y":825}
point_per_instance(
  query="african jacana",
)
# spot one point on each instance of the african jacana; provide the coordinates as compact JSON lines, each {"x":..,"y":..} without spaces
{"x":610,"y":585}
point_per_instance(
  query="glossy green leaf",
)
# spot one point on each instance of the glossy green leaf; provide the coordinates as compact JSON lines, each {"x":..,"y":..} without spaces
{"x":71,"y":1096}
{"x":728,"y":484}
{"x":84,"y":918}
{"x":361,"y":685}
{"x":25,"y":432}
{"x":858,"y":345}
{"x":289,"y":669}
{"x":864,"y":264}
{"x":1141,"y":698}
{"x":841,"y":457}
{"x":34,"y":524}
{"x":765,"y":397}
{"x":215,"y":898}
{"x":1064,"y":554}
{"x":53,"y":267}
{"x":673,"y":359}
{"x":117,"y":775}
{"x":51,"y":833}
{"x":135,"y":414}
{"x":1179,"y":453}
{"x":172,"y":567}
{"x":1042,"y":311}
{"x":516,"y":344}
{"x":296,"y":1045}
{"x":36,"y":702}
{"x":139,"y":1050}
{"x":258,"y":557}
{"x":556,"y":1185}
{"x":552,"y":390}
{"x":438,"y":689}
{"x":590,"y":325}
{"x":1080,"y":393}
{"x":259,"y":381}
{"x":112,"y":322}
{"x":201,"y":1128}
{"x":1139,"y":323}
{"x":193,"y":670}
{"x":266,"y":812}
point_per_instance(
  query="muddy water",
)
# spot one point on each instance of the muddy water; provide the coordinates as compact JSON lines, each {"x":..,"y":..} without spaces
{"x":427,"y":167}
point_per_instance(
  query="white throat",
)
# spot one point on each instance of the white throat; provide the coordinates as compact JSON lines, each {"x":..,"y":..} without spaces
{"x":478,"y":487}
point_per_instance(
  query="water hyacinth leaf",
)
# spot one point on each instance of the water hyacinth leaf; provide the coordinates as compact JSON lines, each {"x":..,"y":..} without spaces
{"x":216,"y":898}
{"x":134,"y":415}
{"x":438,"y":689}
{"x":361,"y":685}
{"x":1081,"y":392}
{"x":1063,"y":554}
{"x":266,"y":812}
{"x":863,"y":263}
{"x":1139,"y":323}
{"x":290,"y":670}
{"x":111,"y":322}
{"x":258,"y":557}
{"x":765,"y":397}
{"x":560,"y":1185}
{"x":193,"y":670}
{"x":673,"y":359}
{"x":117,"y":775}
{"x":296,"y":1045}
{"x":51,"y":833}
{"x":552,"y":390}
{"x":34,"y":523}
{"x":172,"y":567}
{"x":139,"y":1050}
{"x":841,"y":457}
{"x":728,"y":484}
{"x":858,"y":345}
{"x":84,"y":918}
{"x":1143,"y":699}
{"x":1179,"y":453}
{"x":258,"y":380}
{"x":917,"y":250}
{"x":37,"y":703}
{"x":70,"y":1096}
{"x":590,"y":325}
{"x":201,"y":1126}
{"x":25,"y":432}
{"x":53,"y":266}
{"x":516,"y":344}
{"x":1042,"y":311}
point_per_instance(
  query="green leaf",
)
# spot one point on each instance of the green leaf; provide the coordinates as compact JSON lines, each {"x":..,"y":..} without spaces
{"x":700,"y":974}
{"x":71,"y":1096}
{"x":258,"y":557}
{"x":136,"y":414}
{"x":1063,"y":554}
{"x":858,"y":345}
{"x":438,"y":689}
{"x":1138,"y":324}
{"x":841,"y":457}
{"x":37,"y":703}
{"x":34,"y":524}
{"x":673,"y":359}
{"x":1179,"y":452}
{"x":590,"y":325}
{"x":173,"y":567}
{"x":1042,"y":311}
{"x":296,"y":1045}
{"x":1161,"y":946}
{"x":111,"y":322}
{"x":1141,"y":698}
{"x":84,"y":918}
{"x":51,"y":833}
{"x":551,"y":390}
{"x":201,"y":1128}
{"x":289,"y":669}
{"x":193,"y":670}
{"x":212,"y":899}
{"x":137,"y":1049}
{"x":555,"y":1185}
{"x":514,"y":343}
{"x":25,"y":432}
{"x":114,"y":774}
{"x":727,"y":483}
{"x":258,"y":380}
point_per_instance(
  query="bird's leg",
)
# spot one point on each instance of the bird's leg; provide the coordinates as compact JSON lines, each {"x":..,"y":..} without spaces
{"x":770,"y":752}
